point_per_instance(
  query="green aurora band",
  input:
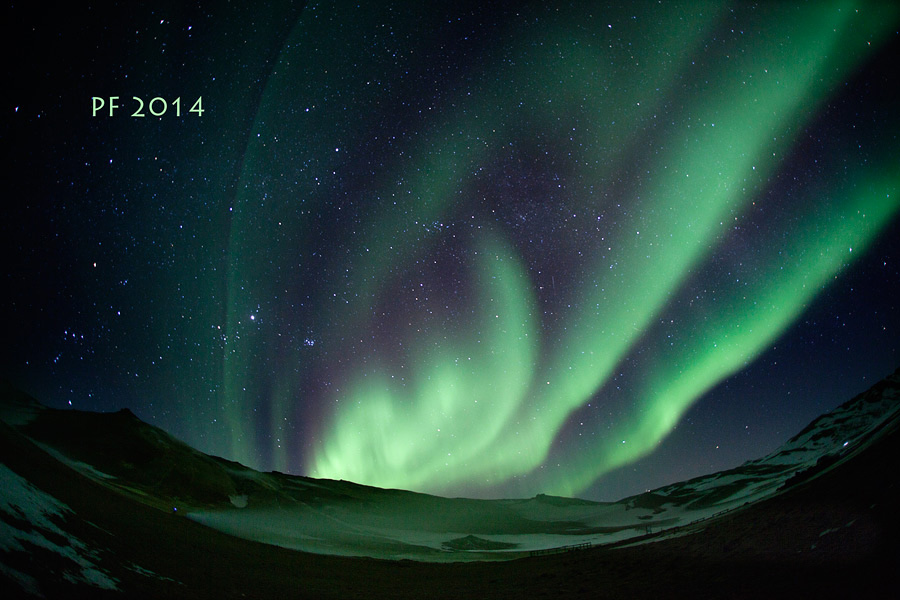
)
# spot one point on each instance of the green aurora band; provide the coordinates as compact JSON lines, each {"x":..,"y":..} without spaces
{"x":483,"y":401}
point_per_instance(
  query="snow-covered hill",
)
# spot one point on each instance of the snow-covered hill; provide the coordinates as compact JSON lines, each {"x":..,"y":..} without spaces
{"x":824,"y":443}
{"x":142,"y":462}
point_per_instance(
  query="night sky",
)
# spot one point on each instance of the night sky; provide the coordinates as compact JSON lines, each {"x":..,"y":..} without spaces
{"x":488,"y":251}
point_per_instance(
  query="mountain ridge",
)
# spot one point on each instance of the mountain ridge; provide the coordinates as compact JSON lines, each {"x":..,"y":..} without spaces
{"x":120,"y":451}
{"x":68,"y":530}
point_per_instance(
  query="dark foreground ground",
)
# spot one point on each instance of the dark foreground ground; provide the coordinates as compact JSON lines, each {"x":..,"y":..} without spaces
{"x":834,"y":536}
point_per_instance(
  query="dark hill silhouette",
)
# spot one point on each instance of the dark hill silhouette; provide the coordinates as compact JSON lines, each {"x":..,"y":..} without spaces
{"x":829,"y":534}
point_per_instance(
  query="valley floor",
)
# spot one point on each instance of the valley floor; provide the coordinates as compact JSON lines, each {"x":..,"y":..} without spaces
{"x":832,"y":537}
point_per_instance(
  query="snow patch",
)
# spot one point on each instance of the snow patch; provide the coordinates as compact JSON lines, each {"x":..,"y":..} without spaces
{"x":148,"y":573}
{"x":26,"y":582}
{"x":83,"y":468}
{"x":21,"y":501}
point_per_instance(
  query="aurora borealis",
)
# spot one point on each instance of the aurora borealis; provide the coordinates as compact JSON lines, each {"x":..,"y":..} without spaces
{"x":485,"y":251}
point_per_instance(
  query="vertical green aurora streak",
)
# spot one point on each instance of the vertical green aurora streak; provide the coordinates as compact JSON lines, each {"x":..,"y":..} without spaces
{"x":484,"y":402}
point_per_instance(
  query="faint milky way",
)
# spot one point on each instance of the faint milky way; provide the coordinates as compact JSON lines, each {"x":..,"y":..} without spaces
{"x":473,"y":250}
{"x":448,"y":372}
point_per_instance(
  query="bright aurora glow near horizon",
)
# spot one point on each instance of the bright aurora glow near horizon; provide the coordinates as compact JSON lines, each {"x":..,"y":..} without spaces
{"x":473,"y":251}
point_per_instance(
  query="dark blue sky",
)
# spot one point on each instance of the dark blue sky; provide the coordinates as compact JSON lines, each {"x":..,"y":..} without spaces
{"x":391,"y":229}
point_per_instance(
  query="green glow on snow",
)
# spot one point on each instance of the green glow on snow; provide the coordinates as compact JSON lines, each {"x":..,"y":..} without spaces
{"x":484,"y":400}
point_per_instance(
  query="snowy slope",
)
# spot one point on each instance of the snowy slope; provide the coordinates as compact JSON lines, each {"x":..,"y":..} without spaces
{"x":380,"y":524}
{"x":22,"y":502}
{"x":120,"y":452}
{"x":824,"y":443}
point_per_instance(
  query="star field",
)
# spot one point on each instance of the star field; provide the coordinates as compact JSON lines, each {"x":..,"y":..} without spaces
{"x":484,"y":251}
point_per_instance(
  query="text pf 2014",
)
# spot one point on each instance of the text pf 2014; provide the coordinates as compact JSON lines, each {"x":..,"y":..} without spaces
{"x":156,"y":107}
